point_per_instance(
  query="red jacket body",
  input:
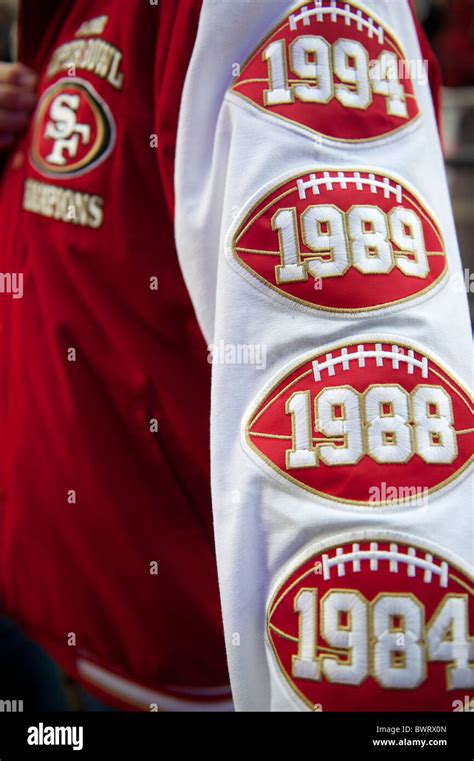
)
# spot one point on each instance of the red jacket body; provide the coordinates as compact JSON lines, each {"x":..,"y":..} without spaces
{"x":106,"y":546}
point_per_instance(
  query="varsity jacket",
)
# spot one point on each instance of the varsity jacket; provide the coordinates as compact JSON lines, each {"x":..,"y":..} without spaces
{"x":317,"y":275}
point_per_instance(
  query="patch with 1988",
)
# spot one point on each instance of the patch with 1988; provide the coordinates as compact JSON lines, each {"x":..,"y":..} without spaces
{"x":344,"y":241}
{"x":373,"y":621}
{"x":333,"y":68}
{"x":370,"y":422}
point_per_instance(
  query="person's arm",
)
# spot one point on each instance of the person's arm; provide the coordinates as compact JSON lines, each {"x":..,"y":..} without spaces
{"x":17,"y":99}
{"x":316,"y":237}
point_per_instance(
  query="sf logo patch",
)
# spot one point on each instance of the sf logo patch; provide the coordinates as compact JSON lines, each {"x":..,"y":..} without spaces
{"x":373,"y":621}
{"x":369,"y":422}
{"x":74,"y":130}
{"x":333,"y":68}
{"x":339,"y":240}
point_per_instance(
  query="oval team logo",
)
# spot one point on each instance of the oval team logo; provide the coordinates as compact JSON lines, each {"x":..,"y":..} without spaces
{"x":370,"y":422}
{"x":74,"y":130}
{"x":333,"y":68}
{"x":340,"y":240}
{"x":374,"y":621}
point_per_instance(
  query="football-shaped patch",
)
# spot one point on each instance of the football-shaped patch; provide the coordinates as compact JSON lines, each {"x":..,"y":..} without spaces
{"x":368,"y":421}
{"x":332,"y":67}
{"x":340,"y":240}
{"x":373,"y":621}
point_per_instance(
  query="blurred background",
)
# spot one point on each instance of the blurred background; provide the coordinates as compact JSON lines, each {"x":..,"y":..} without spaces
{"x":449,"y":26}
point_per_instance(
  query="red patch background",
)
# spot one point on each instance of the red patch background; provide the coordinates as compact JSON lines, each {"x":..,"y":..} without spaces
{"x":330,"y":119}
{"x":352,"y":482}
{"x":353,"y":290}
{"x":431,"y":695}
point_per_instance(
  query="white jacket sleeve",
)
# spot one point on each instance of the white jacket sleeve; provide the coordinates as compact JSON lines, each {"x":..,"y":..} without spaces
{"x":316,"y":238}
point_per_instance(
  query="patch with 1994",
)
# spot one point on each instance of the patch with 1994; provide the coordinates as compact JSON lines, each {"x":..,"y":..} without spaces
{"x":333,"y":70}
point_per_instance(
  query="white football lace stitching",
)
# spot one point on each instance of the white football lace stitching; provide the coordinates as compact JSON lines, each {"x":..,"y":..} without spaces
{"x":395,"y":355}
{"x":333,"y":11}
{"x":410,"y":560}
{"x":343,"y":179}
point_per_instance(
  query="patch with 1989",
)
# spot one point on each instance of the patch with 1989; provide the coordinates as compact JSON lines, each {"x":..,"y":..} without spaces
{"x":370,"y":422}
{"x":373,"y":621}
{"x":339,"y":240}
{"x":332,"y":68}
{"x":73,"y":130}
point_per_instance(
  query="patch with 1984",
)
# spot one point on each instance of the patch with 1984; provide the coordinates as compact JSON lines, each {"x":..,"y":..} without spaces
{"x":373,"y":621}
